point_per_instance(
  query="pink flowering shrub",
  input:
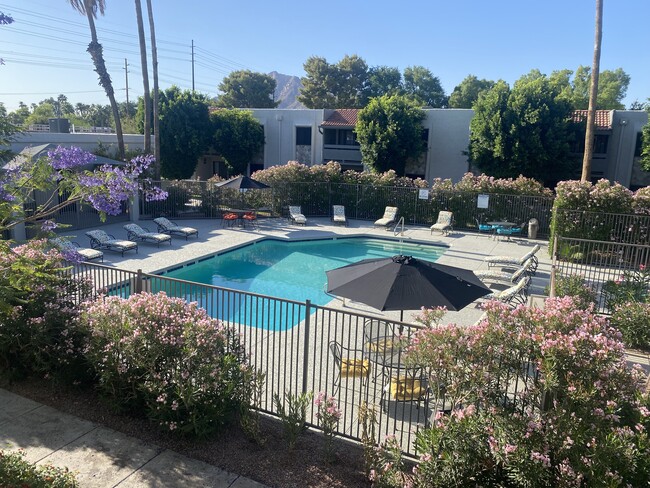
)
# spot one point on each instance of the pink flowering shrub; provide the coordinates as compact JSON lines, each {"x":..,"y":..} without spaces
{"x":578,"y":418}
{"x":633,"y":320}
{"x":328,"y":415}
{"x":512,"y":186}
{"x":167,"y":357}
{"x":38,"y":333}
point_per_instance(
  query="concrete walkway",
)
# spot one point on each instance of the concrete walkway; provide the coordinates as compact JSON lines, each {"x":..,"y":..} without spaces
{"x":101,"y":457}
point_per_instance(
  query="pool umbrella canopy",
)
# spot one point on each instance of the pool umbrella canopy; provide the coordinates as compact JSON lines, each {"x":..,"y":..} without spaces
{"x":405,"y":283}
{"x":243,"y":183}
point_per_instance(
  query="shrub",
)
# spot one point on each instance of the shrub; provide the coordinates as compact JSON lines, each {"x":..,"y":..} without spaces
{"x":632,"y":286}
{"x":574,"y":286}
{"x":580,"y":420}
{"x":328,"y":415}
{"x":166,"y":356}
{"x":18,"y":472}
{"x":294,"y":416}
{"x":38,"y":308}
{"x":633,"y":320}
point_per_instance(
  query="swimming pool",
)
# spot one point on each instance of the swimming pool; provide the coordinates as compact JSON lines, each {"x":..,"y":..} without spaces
{"x":294,"y":270}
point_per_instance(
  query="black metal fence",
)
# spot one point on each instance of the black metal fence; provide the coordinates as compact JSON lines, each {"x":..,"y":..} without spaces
{"x":600,"y":226}
{"x":598,"y":262}
{"x":201,"y":199}
{"x":303,"y":347}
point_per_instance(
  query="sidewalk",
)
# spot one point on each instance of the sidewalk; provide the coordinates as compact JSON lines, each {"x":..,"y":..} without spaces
{"x":101,"y":457}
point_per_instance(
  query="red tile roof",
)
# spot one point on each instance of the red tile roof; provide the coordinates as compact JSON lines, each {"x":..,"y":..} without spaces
{"x":603,"y":118}
{"x":346,"y":117}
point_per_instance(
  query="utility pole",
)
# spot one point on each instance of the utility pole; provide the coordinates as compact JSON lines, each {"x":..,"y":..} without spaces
{"x":126,"y":72}
{"x":192,"y":64}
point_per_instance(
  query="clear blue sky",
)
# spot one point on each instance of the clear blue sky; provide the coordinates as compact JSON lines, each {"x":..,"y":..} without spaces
{"x":44,"y":49}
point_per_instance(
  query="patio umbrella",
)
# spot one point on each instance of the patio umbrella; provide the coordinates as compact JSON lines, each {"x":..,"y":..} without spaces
{"x":405,"y":283}
{"x":243,"y":183}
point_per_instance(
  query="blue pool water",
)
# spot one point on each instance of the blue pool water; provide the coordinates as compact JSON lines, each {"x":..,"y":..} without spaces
{"x":291,"y":270}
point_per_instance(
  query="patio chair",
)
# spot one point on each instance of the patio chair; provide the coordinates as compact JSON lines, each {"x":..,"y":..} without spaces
{"x":348,"y":365}
{"x":404,"y":386}
{"x":338,"y":215}
{"x":504,"y":276}
{"x":513,"y":261}
{"x":250,"y":218}
{"x":487,"y":228}
{"x":296,"y":216}
{"x":390,"y":217}
{"x":515,"y":295}
{"x":101,"y":240}
{"x":136,"y":233}
{"x":511,"y":231}
{"x":166,"y":226}
{"x":72,"y":247}
{"x":229,"y":219}
{"x":444,"y":223}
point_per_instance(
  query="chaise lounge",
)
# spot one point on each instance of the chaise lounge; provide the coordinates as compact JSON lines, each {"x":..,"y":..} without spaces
{"x":296,"y":216}
{"x":514,"y":261}
{"x":135,"y":232}
{"x":338,"y":215}
{"x":166,"y":226}
{"x":101,"y":240}
{"x":444,"y":223}
{"x":390,"y":217}
{"x":71,"y":247}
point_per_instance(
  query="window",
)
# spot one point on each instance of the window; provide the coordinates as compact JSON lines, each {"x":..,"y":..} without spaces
{"x":329,"y":136}
{"x":600,"y":143}
{"x":303,"y":136}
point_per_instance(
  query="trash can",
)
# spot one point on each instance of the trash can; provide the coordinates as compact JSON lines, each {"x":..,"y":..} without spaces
{"x":533,"y":226}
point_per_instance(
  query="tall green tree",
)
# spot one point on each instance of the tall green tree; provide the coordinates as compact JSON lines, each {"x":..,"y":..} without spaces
{"x":145,"y":77}
{"x":423,"y":87}
{"x":593,"y":95}
{"x":384,"y":80}
{"x":185,"y":131}
{"x":319,"y":84}
{"x":247,"y":89}
{"x":525,"y":130}
{"x":389,"y":130}
{"x":351,"y":74}
{"x":466,"y":94}
{"x":645,"y":142}
{"x":238,"y":138}
{"x":89,"y":8}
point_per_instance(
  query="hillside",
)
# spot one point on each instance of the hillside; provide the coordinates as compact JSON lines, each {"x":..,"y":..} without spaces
{"x":287,"y":90}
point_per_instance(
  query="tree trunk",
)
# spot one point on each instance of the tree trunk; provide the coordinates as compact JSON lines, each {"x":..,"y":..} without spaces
{"x":145,"y":78}
{"x":95,"y":50}
{"x":593,"y":95}
{"x":156,"y":107}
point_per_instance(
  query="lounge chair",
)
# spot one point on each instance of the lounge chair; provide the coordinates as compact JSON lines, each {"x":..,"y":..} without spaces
{"x":390,"y":217}
{"x":72,"y":247}
{"x":505,"y":277}
{"x":338,"y":215}
{"x":101,"y":240}
{"x":296,"y":216}
{"x":516,"y":294}
{"x":135,"y":232}
{"x":444,"y":222}
{"x":513,"y":261}
{"x":168,"y":227}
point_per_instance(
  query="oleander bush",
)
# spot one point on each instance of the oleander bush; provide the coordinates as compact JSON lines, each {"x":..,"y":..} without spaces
{"x":16,"y":471}
{"x":168,"y":358}
{"x":633,"y":320}
{"x":38,"y":308}
{"x":631,"y":286}
{"x":581,"y":420}
{"x":574,"y":286}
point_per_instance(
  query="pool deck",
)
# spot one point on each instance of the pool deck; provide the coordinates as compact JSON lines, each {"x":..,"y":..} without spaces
{"x":466,"y":250}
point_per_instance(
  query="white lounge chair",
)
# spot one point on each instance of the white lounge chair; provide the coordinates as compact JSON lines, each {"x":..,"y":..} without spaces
{"x":296,"y":216}
{"x":516,"y":294}
{"x":444,"y":223}
{"x":390,"y":217}
{"x":338,"y":215}
{"x":101,"y":240}
{"x":513,"y":261}
{"x":72,"y":247}
{"x":166,"y":226}
{"x":504,"y":276}
{"x":135,"y":232}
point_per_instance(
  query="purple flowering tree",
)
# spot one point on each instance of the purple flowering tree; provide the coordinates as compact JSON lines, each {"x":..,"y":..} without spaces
{"x":62,"y":178}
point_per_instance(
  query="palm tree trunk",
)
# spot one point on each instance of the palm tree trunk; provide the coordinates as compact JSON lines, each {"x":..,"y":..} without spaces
{"x":145,"y":78}
{"x":95,"y":50}
{"x":156,"y":120}
{"x":593,"y":95}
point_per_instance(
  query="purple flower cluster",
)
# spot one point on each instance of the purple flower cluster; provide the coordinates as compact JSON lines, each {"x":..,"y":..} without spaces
{"x":69,"y":157}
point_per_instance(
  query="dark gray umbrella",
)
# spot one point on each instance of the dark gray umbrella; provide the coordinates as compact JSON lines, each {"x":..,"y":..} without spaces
{"x":405,"y":283}
{"x":243,"y":183}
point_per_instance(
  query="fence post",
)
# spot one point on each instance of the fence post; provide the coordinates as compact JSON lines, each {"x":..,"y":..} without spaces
{"x":553,"y":267}
{"x":305,"y":361}
{"x":138,"y":281}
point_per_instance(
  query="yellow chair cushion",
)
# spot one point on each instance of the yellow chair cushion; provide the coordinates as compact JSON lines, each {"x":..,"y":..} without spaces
{"x":380,"y":346}
{"x":354,"y":367}
{"x":406,"y":389}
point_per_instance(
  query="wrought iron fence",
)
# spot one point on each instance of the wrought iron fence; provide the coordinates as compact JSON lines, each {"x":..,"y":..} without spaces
{"x":303,"y":347}
{"x":202,"y":199}
{"x":597,"y":262}
{"x":600,"y":226}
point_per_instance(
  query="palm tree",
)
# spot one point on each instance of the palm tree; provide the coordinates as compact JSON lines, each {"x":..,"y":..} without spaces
{"x":145,"y":78}
{"x":593,"y":95}
{"x":156,"y":107}
{"x":89,"y":8}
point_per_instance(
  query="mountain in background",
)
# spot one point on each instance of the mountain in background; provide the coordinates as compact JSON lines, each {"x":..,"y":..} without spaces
{"x":287,"y":90}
